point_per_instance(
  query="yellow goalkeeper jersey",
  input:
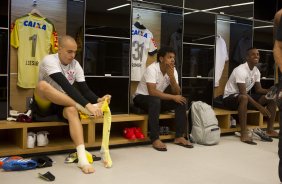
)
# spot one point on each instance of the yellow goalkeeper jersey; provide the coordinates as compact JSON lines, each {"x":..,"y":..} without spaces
{"x":35,"y":37}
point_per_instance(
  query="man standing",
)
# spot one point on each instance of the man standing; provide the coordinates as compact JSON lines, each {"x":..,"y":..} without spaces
{"x":56,"y":95}
{"x":277,"y":52}
{"x":236,"y":95}
{"x":150,"y":97}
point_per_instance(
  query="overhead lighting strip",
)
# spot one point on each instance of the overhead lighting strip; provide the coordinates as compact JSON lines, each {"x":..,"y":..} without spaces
{"x":260,"y":27}
{"x":220,"y":7}
{"x":216,"y":8}
{"x":242,"y":4}
{"x":116,"y":7}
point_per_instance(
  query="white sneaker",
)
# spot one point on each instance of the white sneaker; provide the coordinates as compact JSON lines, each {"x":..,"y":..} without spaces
{"x":31,"y":138}
{"x":42,"y":139}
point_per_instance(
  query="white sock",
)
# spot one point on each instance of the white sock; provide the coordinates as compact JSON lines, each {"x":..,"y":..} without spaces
{"x":81,"y":155}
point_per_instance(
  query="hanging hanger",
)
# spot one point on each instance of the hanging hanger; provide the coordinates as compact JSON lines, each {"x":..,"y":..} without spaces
{"x":35,"y":11}
{"x":138,"y":22}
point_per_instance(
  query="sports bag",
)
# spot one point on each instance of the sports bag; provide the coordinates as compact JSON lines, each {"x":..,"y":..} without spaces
{"x":205,"y":129}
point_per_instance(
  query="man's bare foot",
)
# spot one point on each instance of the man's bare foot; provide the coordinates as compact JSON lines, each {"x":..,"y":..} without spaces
{"x":99,"y":104}
{"x":159,"y":145}
{"x":181,"y":141}
{"x":87,"y":169}
{"x":272,"y":133}
{"x":246,"y":139}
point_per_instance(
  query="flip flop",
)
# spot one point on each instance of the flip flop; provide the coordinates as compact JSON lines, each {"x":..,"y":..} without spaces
{"x":274,"y":136}
{"x":185,"y":145}
{"x":250,"y":142}
{"x":160,"y":149}
{"x":72,"y":158}
{"x":47,"y":176}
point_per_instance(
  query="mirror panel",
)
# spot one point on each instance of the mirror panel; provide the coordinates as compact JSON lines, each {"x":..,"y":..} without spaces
{"x":263,"y":40}
{"x":105,"y":18}
{"x":107,"y":37}
{"x":75,"y":26}
{"x":197,"y":89}
{"x":198,"y":41}
{"x":106,"y":56}
{"x":265,"y":10}
{"x":117,"y":87}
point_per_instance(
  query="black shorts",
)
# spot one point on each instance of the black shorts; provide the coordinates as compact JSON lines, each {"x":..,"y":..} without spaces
{"x":53,"y":113}
{"x":231,"y":101}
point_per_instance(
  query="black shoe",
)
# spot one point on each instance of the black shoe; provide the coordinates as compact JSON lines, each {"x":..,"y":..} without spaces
{"x":272,"y":93}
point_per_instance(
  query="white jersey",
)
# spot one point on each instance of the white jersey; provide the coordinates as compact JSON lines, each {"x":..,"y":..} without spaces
{"x":241,"y":74}
{"x":142,"y":43}
{"x":51,"y":64}
{"x":221,"y":58}
{"x":154,"y":75}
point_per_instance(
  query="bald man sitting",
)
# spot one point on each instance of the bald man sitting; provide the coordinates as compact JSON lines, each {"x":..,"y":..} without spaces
{"x":56,"y":95}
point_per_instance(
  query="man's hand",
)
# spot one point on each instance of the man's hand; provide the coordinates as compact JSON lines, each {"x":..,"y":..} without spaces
{"x":107,"y":96}
{"x":179,"y":99}
{"x":170,"y":70}
{"x":95,"y":109}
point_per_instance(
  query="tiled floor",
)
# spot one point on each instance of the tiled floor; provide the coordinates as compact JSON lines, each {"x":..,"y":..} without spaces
{"x":230,"y":162}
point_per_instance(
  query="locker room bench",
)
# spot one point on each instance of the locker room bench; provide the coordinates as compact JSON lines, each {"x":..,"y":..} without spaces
{"x":254,"y":119}
{"x":13,"y":135}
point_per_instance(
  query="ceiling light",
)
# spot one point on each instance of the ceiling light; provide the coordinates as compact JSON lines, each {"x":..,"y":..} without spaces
{"x":191,"y":12}
{"x":219,"y":7}
{"x":242,"y":4}
{"x":116,"y":7}
{"x":259,"y":27}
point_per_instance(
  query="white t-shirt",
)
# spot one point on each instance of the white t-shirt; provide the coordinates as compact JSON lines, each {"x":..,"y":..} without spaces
{"x":221,"y":58}
{"x":51,"y":64}
{"x":153,"y":74}
{"x":241,"y":74}
{"x":142,"y":43}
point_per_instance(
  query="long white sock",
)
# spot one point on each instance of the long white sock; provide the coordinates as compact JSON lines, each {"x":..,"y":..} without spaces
{"x":81,"y":155}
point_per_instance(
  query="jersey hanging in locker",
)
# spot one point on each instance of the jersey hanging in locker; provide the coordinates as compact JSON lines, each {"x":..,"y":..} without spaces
{"x":34,"y":37}
{"x":142,"y":44}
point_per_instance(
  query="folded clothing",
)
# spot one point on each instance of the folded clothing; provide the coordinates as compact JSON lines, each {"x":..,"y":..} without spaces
{"x":19,"y":165}
{"x":43,"y":161}
{"x":5,"y":159}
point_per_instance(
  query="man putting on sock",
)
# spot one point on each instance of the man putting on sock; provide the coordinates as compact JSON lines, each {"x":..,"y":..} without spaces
{"x":56,"y":95}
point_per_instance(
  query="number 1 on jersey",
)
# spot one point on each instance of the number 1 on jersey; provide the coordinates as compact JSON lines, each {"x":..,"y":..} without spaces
{"x":33,"y":38}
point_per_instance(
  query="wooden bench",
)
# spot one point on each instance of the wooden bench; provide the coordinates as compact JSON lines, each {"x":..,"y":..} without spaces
{"x":13,"y":135}
{"x":254,"y":119}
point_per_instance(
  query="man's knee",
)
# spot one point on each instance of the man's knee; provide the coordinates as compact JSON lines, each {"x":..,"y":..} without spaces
{"x":42,"y":86}
{"x":70,"y":112}
{"x":243,"y":99}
